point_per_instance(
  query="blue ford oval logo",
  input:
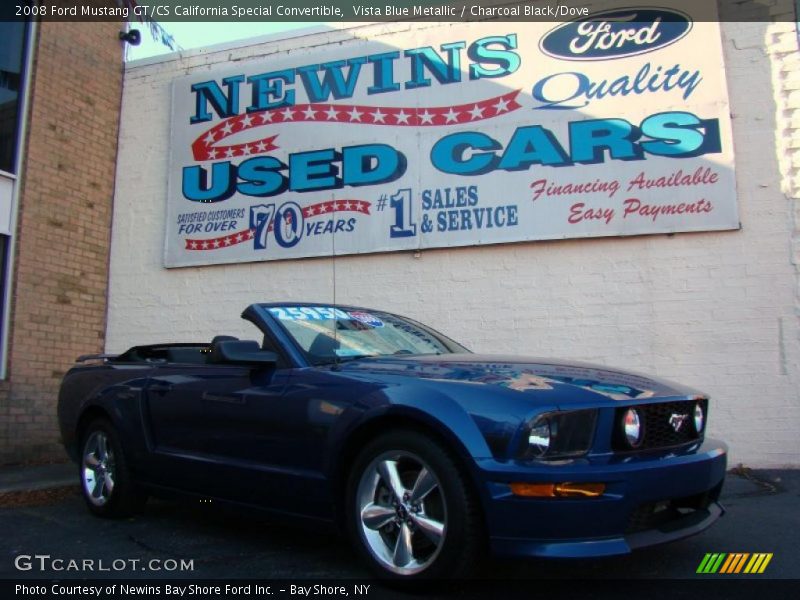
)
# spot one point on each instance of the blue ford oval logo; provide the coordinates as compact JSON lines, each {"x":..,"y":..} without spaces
{"x":616,"y":34}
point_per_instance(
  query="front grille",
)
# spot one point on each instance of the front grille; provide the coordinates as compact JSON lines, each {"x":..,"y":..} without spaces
{"x":657,"y":419}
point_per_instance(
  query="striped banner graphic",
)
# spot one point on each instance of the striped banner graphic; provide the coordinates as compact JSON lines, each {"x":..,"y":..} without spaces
{"x":728,"y":563}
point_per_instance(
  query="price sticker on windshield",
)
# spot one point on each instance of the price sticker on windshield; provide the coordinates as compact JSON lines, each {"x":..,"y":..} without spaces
{"x":308,"y":313}
{"x":366,"y":318}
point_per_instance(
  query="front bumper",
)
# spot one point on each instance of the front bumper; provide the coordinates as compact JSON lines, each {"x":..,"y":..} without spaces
{"x":649,"y":499}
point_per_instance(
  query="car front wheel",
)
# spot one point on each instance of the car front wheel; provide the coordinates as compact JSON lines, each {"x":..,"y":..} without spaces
{"x":105,"y":480}
{"x":412,"y":514}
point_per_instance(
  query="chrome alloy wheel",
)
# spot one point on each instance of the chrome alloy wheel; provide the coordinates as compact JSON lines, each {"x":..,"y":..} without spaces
{"x":403,"y":517}
{"x":98,"y":468}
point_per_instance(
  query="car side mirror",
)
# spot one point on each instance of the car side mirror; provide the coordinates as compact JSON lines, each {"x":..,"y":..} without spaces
{"x":242,"y":352}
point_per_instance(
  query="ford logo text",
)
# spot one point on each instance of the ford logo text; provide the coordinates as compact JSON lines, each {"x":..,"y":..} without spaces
{"x":616,"y":34}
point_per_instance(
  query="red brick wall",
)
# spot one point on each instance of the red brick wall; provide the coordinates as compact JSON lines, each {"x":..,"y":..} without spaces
{"x":60,"y":276}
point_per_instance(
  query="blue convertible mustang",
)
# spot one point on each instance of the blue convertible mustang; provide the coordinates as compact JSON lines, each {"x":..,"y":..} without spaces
{"x":423,"y":452}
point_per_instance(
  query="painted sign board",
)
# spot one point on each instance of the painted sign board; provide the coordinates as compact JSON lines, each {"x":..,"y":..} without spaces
{"x":439,"y":135}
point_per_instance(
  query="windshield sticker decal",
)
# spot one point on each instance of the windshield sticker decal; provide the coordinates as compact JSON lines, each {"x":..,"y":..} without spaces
{"x":308,"y":313}
{"x":366,"y":318}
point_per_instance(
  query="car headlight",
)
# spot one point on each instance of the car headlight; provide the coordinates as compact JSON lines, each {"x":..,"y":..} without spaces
{"x":632,"y":425}
{"x":539,"y":437}
{"x":699,"y":417}
{"x":559,"y":435}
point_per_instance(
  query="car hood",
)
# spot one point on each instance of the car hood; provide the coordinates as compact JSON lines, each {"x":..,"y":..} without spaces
{"x":568,"y":380}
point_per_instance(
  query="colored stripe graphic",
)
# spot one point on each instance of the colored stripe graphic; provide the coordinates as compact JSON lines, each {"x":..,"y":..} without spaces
{"x":704,"y":564}
{"x":733,"y":563}
{"x":758,"y":563}
{"x":711,"y":562}
{"x":728,"y":563}
{"x":741,"y":562}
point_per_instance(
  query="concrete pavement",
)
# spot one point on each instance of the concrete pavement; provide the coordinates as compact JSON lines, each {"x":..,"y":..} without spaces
{"x":36,"y":477}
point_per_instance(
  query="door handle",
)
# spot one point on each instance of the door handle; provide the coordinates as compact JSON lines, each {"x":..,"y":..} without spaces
{"x":227,"y":399}
{"x":160,"y":388}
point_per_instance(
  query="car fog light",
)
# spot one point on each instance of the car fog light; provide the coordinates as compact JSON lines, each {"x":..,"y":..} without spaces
{"x":699,"y":418}
{"x":539,"y":437}
{"x":632,"y":424}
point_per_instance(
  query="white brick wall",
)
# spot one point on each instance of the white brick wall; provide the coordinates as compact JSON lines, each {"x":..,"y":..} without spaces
{"x":718,"y":311}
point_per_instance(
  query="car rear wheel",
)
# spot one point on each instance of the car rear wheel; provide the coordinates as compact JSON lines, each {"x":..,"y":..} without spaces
{"x":412,"y":514}
{"x":105,"y":480}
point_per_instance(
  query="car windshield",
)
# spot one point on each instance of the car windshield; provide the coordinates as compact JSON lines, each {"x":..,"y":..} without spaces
{"x":327,"y":334}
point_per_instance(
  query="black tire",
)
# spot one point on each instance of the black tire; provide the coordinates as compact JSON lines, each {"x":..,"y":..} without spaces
{"x":114,"y":496}
{"x":384,"y":532}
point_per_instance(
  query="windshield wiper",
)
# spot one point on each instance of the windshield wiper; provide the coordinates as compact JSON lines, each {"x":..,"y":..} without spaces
{"x":356,"y":357}
{"x":341,"y":359}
